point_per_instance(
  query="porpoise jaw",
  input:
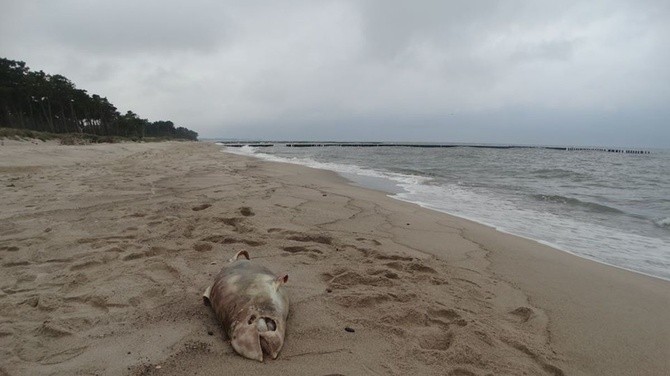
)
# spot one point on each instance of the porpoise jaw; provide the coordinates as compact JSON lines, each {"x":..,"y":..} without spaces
{"x":246,"y":342}
{"x":252,"y":305}
{"x":255,"y":339}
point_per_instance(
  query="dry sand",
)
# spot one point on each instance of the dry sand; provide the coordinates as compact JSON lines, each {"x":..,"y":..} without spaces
{"x":106,"y":249}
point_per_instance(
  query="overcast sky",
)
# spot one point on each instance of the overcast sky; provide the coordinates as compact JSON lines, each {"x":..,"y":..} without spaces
{"x":547,"y":72}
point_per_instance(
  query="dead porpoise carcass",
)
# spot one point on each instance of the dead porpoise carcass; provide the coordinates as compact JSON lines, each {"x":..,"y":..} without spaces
{"x":251,"y":303}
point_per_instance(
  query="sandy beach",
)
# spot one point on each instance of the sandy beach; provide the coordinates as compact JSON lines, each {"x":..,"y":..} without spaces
{"x":106,"y":249}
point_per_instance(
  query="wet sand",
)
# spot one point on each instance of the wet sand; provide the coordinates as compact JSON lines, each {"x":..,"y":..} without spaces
{"x":106,"y":249}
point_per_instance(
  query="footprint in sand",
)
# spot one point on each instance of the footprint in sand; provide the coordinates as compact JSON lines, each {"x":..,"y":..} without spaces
{"x":94,"y":301}
{"x":16,"y":263}
{"x":322,"y":239}
{"x":303,"y":250}
{"x":461,"y":372}
{"x":445,"y":313}
{"x":202,"y":247}
{"x":379,"y":256}
{"x":246,"y":211}
{"x":366,"y":300}
{"x":229,"y":240}
{"x":437,"y":340}
{"x":36,"y":351}
{"x":237,"y":223}
{"x":386,"y":273}
{"x":414,"y":269}
{"x":51,"y":330}
{"x":201,"y":207}
{"x":161,"y":272}
{"x":369,"y":241}
{"x":234,"y":221}
{"x":26,"y":277}
{"x":445,"y":316}
{"x":45,"y":302}
{"x":133,"y":256}
{"x":153,"y":251}
{"x":411,"y":267}
{"x":351,"y":279}
{"x":418,"y":267}
{"x":303,"y":237}
{"x":549,"y":368}
{"x":522,"y":313}
{"x":85,"y":265}
{"x":188,"y":231}
{"x":117,"y":249}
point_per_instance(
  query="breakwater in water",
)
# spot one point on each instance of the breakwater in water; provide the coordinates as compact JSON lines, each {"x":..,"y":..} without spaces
{"x":422,"y":145}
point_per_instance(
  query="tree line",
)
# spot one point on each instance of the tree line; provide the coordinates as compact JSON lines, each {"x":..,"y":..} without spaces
{"x":52,"y":103}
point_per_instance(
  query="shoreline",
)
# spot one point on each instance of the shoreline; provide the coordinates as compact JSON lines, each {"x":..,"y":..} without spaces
{"x":538,"y":241}
{"x":394,"y":196}
{"x":106,"y":249}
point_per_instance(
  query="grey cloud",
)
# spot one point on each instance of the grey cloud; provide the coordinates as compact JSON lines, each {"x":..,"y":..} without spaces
{"x":122,"y":27}
{"x":550,"y":50}
{"x":371,"y":68}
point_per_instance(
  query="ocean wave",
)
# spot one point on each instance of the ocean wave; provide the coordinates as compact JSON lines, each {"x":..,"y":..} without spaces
{"x":663,"y":222}
{"x":592,"y":206}
{"x":559,"y":173}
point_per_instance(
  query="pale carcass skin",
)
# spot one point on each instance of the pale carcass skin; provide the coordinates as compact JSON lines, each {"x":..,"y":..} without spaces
{"x":252,"y":305}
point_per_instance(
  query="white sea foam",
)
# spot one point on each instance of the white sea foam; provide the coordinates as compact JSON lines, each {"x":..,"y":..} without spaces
{"x":643,"y":254}
{"x":663,"y":222}
{"x":350,"y":170}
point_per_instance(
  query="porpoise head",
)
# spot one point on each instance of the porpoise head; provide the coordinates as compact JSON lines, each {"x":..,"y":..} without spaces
{"x":260,"y":328}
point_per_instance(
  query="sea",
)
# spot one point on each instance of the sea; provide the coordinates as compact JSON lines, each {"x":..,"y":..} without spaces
{"x":610,"y":207}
